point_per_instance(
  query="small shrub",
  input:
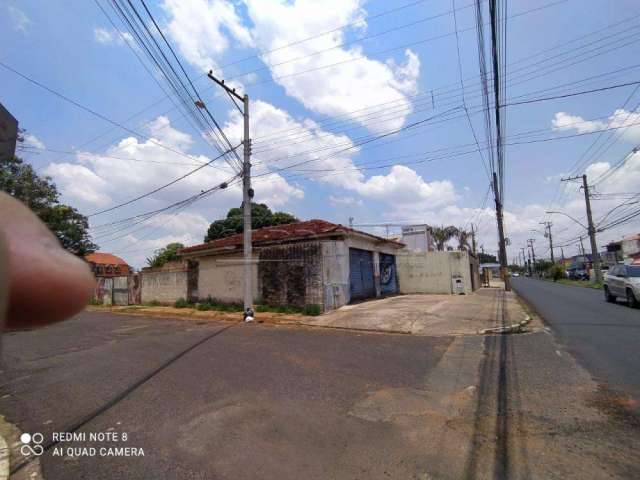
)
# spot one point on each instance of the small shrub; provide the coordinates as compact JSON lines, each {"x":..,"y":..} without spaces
{"x":203,"y":306}
{"x":557,"y":272}
{"x":182,"y":303}
{"x":312,"y":309}
{"x":95,"y":301}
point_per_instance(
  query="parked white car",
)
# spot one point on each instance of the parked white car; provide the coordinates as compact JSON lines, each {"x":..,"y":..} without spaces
{"x":623,"y":281}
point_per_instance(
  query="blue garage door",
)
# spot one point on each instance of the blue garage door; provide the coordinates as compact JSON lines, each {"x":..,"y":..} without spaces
{"x":362,"y":281}
{"x":388,"y":282}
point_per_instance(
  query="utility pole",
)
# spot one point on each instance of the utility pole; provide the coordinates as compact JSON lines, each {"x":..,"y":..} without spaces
{"x":562,"y":252}
{"x":548,"y":230}
{"x":529,"y":261}
{"x":524,"y":260}
{"x":502,"y":252}
{"x":247,"y":196}
{"x":473,"y":239}
{"x":350,"y":222}
{"x":533,"y":252}
{"x":591,"y":228}
{"x":582,"y":247}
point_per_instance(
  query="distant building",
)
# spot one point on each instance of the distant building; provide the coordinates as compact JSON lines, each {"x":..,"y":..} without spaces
{"x":8,"y":134}
{"x":625,"y":250}
{"x":418,"y":238}
{"x":107,"y":265}
{"x":494,"y":267}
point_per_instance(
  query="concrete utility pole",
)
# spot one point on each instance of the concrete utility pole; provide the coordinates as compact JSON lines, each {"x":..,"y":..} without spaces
{"x":247,"y":196}
{"x":502,"y":252}
{"x":547,"y":226}
{"x":524,"y":259}
{"x":533,"y":252}
{"x":473,"y":239}
{"x":590,"y":227}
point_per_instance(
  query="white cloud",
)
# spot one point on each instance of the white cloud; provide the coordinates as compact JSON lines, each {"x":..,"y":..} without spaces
{"x":19,"y":20}
{"x":341,"y":201}
{"x":112,"y":37}
{"x":405,"y":189}
{"x":356,"y":82}
{"x":199,"y":27}
{"x":310,"y":144}
{"x":30,"y":140}
{"x":620,"y":118}
{"x":79,"y":182}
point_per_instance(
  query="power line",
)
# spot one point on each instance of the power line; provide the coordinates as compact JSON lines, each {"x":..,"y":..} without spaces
{"x":155,"y":190}
{"x":93,"y":112}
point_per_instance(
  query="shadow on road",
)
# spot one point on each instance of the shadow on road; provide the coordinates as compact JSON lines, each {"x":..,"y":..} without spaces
{"x":498,"y":398}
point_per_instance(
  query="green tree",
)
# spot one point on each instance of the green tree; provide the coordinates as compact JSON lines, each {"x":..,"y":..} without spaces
{"x":40,"y":194}
{"x":486,"y":258}
{"x":164,"y":255}
{"x":441,"y":235}
{"x":261,"y":216}
{"x":557,"y":272}
{"x":464,"y":238}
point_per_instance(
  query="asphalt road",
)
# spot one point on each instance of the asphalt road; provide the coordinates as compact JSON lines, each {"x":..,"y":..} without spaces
{"x":604,"y":337}
{"x":248,"y":401}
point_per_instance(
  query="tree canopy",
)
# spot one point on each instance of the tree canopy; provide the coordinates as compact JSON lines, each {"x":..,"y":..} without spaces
{"x":40,"y":194}
{"x":164,"y":255}
{"x":261,"y":216}
{"x":486,"y":258}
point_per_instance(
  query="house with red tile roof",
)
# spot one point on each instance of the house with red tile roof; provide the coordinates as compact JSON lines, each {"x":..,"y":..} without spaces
{"x":107,"y":265}
{"x":303,"y":263}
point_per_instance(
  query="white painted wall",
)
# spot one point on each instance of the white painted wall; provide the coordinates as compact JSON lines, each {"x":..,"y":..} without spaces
{"x":222,"y":278}
{"x":432,"y":272}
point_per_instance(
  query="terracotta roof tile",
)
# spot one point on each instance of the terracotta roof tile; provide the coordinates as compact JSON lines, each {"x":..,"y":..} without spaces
{"x":291,"y":231}
{"x":104,"y":259}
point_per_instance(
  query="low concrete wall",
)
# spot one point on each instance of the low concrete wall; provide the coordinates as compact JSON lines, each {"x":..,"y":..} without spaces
{"x":222,"y":278}
{"x":163,"y":286}
{"x":433,"y":272}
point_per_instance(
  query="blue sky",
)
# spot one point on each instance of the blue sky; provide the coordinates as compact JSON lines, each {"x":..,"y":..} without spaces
{"x":380,"y":84}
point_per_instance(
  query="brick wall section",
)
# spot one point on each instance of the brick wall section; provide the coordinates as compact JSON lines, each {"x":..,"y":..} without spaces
{"x":291,"y":274}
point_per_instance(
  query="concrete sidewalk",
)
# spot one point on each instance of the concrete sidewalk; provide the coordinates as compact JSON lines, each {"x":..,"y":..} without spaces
{"x":433,"y":315}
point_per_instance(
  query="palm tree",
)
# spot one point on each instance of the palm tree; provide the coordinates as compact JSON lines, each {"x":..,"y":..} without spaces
{"x":441,"y":235}
{"x":463,"y":239}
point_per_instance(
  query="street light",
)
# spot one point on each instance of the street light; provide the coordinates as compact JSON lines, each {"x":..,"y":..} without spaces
{"x":570,"y":217}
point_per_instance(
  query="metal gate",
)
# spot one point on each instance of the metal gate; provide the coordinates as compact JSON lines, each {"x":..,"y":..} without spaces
{"x":361,"y":274}
{"x":388,"y":280}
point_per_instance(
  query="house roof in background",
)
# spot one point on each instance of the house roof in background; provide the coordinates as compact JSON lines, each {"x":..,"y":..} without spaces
{"x":291,"y":231}
{"x":101,"y":258}
{"x":631,"y":237}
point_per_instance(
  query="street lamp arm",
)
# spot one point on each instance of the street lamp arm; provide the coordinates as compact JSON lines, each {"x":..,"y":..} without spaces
{"x":570,"y":217}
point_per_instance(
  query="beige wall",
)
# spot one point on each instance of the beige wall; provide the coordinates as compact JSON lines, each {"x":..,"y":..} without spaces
{"x":222,"y":278}
{"x":164,"y":287}
{"x":432,"y":272}
{"x":335,"y":274}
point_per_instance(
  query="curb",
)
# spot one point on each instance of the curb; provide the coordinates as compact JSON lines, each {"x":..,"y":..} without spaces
{"x":352,"y":329}
{"x":513,"y":328}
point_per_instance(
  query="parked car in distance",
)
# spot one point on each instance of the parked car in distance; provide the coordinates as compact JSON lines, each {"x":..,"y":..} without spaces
{"x":515,"y":274}
{"x":623,"y":281}
{"x":578,"y":274}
